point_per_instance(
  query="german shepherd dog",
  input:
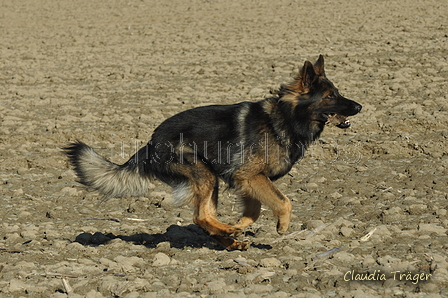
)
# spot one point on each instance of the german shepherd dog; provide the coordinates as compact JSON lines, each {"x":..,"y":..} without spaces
{"x":248,"y":145}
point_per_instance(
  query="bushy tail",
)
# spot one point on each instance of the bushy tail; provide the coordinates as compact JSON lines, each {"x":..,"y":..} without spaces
{"x":111,"y":180}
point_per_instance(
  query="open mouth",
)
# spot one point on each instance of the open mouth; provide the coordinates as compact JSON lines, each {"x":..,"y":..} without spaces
{"x":338,"y":120}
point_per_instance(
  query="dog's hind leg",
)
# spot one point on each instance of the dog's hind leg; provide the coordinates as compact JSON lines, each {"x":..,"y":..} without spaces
{"x":200,"y":188}
{"x":205,"y":201}
{"x":260,"y":188}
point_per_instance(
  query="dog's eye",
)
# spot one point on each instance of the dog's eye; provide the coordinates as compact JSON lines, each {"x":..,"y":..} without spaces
{"x":330,"y":96}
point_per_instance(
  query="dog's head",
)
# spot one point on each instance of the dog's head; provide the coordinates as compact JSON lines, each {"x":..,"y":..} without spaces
{"x":315,"y":97}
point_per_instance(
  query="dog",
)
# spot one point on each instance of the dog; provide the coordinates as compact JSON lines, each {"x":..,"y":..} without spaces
{"x":248,"y":145}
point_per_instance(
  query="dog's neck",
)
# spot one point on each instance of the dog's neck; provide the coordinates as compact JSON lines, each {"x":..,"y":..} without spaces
{"x":296,"y":120}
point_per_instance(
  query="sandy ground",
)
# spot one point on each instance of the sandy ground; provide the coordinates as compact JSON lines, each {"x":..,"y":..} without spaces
{"x":108,"y":72}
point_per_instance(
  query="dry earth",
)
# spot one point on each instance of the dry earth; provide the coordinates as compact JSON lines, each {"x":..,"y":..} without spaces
{"x":108,"y":72}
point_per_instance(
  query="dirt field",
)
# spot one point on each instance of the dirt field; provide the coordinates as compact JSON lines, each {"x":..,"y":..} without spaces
{"x":108,"y":72}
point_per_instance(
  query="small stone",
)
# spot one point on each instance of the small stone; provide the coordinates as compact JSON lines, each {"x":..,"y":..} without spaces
{"x":22,"y":171}
{"x":69,"y":191}
{"x":344,"y":257}
{"x":346,"y":232}
{"x":418,"y":248}
{"x":394,"y":210}
{"x":417,"y":209}
{"x":164,"y":245}
{"x":140,"y":284}
{"x":289,"y":250}
{"x":29,"y":233}
{"x":432,"y":228}
{"x":335,"y":196}
{"x":127,"y":264}
{"x":429,"y":287}
{"x":161,"y":259}
{"x":368,"y":261}
{"x":217,"y":286}
{"x":270,"y":262}
{"x":311,"y":186}
{"x":312,"y":224}
{"x":17,"y":193}
{"x":441,"y":212}
{"x":258,"y":289}
{"x":16,"y":285}
{"x":24,"y":214}
{"x":12,"y":238}
{"x":256,"y":92}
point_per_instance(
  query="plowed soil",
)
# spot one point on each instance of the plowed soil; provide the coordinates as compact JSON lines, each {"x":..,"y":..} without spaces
{"x":108,"y":72}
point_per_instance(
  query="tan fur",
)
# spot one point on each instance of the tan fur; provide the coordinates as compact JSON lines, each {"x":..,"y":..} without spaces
{"x":260,"y":188}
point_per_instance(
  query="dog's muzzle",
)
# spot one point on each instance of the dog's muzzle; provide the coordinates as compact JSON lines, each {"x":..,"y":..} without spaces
{"x":340,"y":119}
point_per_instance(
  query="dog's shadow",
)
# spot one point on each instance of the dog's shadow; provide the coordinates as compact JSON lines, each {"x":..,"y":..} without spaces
{"x":191,"y":236}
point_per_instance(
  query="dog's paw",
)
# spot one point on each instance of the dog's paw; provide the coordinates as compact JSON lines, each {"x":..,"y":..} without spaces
{"x":282,"y":227}
{"x":230,"y":231}
{"x":232,"y":244}
{"x":239,"y":245}
{"x":237,"y":231}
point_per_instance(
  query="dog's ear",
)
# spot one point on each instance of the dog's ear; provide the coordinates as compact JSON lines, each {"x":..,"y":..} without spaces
{"x":301,"y":84}
{"x":307,"y":76}
{"x":319,"y":66}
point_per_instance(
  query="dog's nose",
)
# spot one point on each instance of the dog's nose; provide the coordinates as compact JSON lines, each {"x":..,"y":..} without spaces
{"x":358,"y":108}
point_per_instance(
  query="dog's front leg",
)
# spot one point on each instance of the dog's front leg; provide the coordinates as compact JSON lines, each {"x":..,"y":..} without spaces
{"x":251,"y":212}
{"x":260,"y":189}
